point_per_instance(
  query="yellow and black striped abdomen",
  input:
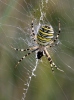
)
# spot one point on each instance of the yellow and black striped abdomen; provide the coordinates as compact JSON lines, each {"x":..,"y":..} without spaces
{"x":45,"y":35}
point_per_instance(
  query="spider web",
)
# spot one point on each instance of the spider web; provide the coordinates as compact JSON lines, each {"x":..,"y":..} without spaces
{"x":33,"y":79}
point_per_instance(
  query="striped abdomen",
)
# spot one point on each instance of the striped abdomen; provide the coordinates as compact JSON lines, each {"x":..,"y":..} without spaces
{"x":45,"y":35}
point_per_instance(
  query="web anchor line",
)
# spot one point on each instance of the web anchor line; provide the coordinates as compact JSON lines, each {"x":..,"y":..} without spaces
{"x":29,"y":80}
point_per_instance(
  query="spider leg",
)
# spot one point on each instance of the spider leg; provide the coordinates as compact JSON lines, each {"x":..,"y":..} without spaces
{"x":26,"y":56}
{"x":51,"y":62}
{"x":56,"y":36}
{"x":28,"y":49}
{"x":32,"y":32}
{"x":58,"y":33}
{"x":52,"y":45}
{"x":57,"y":67}
{"x":32,"y":28}
{"x":49,"y":59}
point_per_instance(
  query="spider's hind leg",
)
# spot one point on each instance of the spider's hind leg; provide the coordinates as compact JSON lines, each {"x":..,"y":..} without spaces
{"x":33,"y":32}
{"x":57,"y":36}
{"x":58,"y":32}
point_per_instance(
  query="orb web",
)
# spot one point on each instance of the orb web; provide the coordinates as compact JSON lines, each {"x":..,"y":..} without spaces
{"x":33,"y":79}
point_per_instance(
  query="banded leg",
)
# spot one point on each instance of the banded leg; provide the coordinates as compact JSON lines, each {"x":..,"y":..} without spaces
{"x":49,"y":59}
{"x":56,"y":36}
{"x":57,"y":67}
{"x":28,"y":49}
{"x":51,"y":62}
{"x":53,"y":45}
{"x":26,"y":56}
{"x":58,"y":33}
{"x":32,"y":32}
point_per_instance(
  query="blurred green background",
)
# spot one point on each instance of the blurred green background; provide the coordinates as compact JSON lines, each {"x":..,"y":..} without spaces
{"x":15,"y":20}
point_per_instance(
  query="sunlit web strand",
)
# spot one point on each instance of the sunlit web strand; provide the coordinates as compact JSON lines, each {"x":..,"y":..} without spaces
{"x":55,"y":50}
{"x":14,"y":8}
{"x":29,"y":80}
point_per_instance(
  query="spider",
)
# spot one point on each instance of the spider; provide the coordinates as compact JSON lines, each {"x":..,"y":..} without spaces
{"x":44,"y":39}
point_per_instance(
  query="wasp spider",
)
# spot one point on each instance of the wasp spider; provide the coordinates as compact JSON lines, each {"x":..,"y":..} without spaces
{"x":44,"y":39}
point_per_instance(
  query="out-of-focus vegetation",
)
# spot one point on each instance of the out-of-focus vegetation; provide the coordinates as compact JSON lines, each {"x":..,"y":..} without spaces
{"x":15,"y":20}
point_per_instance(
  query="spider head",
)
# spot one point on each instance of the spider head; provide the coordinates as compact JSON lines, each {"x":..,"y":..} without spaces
{"x":39,"y":54}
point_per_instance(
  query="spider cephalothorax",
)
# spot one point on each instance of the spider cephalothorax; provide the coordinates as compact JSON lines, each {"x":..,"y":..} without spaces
{"x":44,"y":39}
{"x":39,"y":54}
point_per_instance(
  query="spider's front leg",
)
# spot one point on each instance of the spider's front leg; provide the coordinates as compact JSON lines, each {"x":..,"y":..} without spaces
{"x":49,"y":59}
{"x":28,"y":49}
{"x":33,"y":49}
{"x":52,"y":64}
{"x":26,"y":56}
